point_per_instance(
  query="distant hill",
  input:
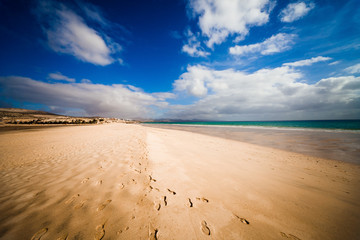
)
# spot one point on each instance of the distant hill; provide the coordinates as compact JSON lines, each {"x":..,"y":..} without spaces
{"x":18,"y":116}
{"x":20,"y":113}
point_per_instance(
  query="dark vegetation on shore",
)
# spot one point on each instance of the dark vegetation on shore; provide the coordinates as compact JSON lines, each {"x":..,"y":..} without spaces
{"x":73,"y":121}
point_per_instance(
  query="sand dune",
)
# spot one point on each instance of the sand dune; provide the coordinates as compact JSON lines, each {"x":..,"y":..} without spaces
{"x":120,"y":181}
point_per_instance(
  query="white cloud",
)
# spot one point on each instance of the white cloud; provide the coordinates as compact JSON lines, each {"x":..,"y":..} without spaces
{"x":276,"y":43}
{"x":334,"y":63}
{"x":266,"y":94}
{"x":295,"y":11}
{"x":72,"y":36}
{"x":84,"y":80}
{"x":353,"y":69}
{"x":59,"y":76}
{"x":117,"y":100}
{"x":307,"y":62}
{"x":220,"y":18}
{"x":193,"y":46}
{"x":68,"y":33}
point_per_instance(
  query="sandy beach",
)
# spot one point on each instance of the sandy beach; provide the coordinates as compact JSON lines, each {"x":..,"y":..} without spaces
{"x":124,"y":181}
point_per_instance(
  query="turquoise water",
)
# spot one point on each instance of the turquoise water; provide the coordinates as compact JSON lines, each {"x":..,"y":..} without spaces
{"x":318,"y":124}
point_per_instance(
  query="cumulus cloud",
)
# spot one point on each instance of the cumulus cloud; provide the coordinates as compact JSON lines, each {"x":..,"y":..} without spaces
{"x":277,"y":93}
{"x":295,"y":11}
{"x":307,"y":62}
{"x":193,"y":46}
{"x":68,"y":33}
{"x":276,"y":43}
{"x":220,"y":18}
{"x":117,"y":100}
{"x":59,"y":76}
{"x":353,"y":69}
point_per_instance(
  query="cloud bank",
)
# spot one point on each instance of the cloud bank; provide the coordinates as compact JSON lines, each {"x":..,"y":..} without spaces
{"x":117,"y":100}
{"x":266,"y":94}
{"x":281,"y":93}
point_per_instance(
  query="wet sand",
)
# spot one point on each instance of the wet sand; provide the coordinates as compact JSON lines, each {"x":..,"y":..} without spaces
{"x":121,"y":181}
{"x":329,"y":144}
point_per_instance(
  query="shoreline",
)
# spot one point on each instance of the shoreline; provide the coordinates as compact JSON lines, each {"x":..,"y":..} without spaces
{"x":355,"y":131}
{"x":342,"y":146}
{"x":134,"y":182}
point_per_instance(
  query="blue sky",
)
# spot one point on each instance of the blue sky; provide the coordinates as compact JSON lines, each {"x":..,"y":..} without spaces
{"x":196,"y":59}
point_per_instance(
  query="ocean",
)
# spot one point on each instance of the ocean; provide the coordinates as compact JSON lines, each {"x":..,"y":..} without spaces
{"x":306,"y":124}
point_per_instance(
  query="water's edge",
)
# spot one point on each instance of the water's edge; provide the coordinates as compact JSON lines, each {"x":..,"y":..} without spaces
{"x":340,"y":145}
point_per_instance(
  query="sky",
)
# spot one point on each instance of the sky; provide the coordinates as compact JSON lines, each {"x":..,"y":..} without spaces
{"x":225,"y":60}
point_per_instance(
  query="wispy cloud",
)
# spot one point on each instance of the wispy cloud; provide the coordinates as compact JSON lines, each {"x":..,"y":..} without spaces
{"x":85,"y":80}
{"x":59,"y":76}
{"x":68,"y":33}
{"x":307,"y":62}
{"x":219,"y":18}
{"x":334,"y":63}
{"x":295,"y":11}
{"x":276,"y":43}
{"x":353,"y":69}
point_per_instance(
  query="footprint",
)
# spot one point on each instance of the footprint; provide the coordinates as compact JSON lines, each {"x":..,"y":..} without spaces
{"x":79,"y":205}
{"x":64,"y":237}
{"x":103,"y":205}
{"x":204,"y":228}
{"x":100,"y":232}
{"x":98,"y":182}
{"x":202,"y":199}
{"x":294,"y":237}
{"x":152,"y":179}
{"x":173,"y":193}
{"x":153,"y":232}
{"x":39,"y":234}
{"x":289,"y":236}
{"x":85,"y":180}
{"x":70,"y":200}
{"x":157,"y":206}
{"x":284,"y":234}
{"x":165,"y":201}
{"x":243,"y":220}
{"x":189,"y":204}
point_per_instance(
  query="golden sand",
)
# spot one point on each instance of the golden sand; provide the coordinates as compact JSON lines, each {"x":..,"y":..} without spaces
{"x":121,"y":181}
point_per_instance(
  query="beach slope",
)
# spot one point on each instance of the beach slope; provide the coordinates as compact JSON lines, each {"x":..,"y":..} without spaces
{"x":121,"y":181}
